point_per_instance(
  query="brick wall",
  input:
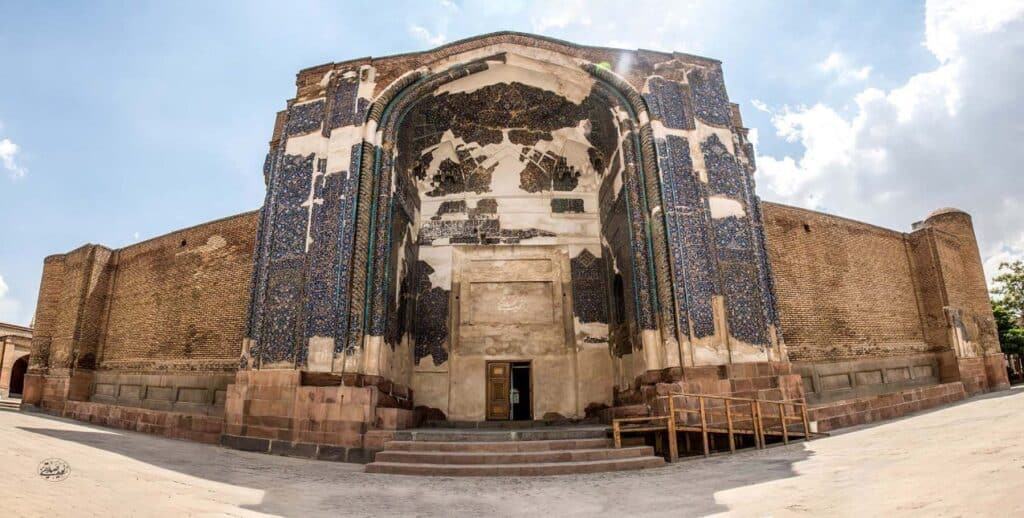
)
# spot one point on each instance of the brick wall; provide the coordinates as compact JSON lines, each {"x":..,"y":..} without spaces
{"x":845,"y":289}
{"x":964,"y":286}
{"x":179,"y":301}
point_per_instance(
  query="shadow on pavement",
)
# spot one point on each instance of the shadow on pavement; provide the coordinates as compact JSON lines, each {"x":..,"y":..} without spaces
{"x":306,"y":487}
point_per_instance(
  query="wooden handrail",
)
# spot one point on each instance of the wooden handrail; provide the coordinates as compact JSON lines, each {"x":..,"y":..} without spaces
{"x":756,"y":413}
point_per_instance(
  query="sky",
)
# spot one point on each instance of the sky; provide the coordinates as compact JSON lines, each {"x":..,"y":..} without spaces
{"x":121,"y":121}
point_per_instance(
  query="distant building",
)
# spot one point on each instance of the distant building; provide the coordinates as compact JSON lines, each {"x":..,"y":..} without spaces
{"x":15,"y":344}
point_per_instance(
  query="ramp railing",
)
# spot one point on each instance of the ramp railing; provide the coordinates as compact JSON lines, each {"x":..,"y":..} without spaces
{"x":709,"y":414}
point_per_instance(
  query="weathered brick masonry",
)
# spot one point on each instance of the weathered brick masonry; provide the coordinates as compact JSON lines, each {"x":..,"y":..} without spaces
{"x":867,"y":310}
{"x":156,"y":325}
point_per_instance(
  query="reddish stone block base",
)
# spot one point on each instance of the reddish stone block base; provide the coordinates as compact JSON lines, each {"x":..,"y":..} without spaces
{"x":773,"y":381}
{"x":299,"y":449}
{"x":852,"y":412}
{"x":45,"y":393}
{"x":174,"y":425}
{"x":983,"y":374}
{"x":272,"y":411}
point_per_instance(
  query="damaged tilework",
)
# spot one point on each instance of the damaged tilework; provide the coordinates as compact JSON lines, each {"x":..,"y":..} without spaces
{"x":399,"y":251}
{"x":687,"y":214}
{"x":676,"y":168}
{"x":289,"y":216}
{"x":345,"y":247}
{"x":589,"y":293}
{"x":430,"y":317}
{"x":764,"y":267}
{"x":641,"y":272}
{"x":710,"y":102}
{"x":268,"y":164}
{"x":400,"y":311}
{"x":464,"y":176}
{"x":547,"y":172}
{"x":733,"y":240}
{"x":616,"y":227}
{"x":381,"y":256}
{"x":481,"y":115}
{"x":346,"y":109}
{"x":326,"y":297}
{"x":475,"y":232}
{"x":485,"y":207}
{"x":567,"y":205}
{"x":322,"y":283}
{"x":743,"y":281}
{"x":725,"y":175}
{"x":261,"y":256}
{"x":283,"y":303}
{"x":479,"y":118}
{"x":450,"y":207}
{"x":743,"y":302}
{"x":670,"y":102}
{"x":304,"y":118}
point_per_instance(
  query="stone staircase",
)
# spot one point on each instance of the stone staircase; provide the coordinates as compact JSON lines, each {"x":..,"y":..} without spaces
{"x":528,"y":452}
{"x":10,"y":404}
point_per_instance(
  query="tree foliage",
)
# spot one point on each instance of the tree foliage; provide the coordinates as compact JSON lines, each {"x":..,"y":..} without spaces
{"x":1011,"y":336}
{"x":1008,"y":306}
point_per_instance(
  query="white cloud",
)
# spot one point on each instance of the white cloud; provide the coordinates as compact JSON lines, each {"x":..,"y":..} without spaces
{"x":423,"y":34}
{"x":8,"y":153}
{"x":946,"y":21}
{"x":760,"y":105}
{"x":845,"y":71}
{"x":947,"y":137}
{"x":560,"y":15}
{"x":9,"y":307}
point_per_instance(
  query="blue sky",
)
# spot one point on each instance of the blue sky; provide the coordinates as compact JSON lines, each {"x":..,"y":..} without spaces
{"x":121,"y":121}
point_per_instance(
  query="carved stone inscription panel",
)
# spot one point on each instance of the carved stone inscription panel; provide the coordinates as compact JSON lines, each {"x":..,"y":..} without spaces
{"x":515,"y":302}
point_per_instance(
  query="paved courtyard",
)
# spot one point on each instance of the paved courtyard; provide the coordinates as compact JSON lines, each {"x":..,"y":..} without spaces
{"x":963,"y":460}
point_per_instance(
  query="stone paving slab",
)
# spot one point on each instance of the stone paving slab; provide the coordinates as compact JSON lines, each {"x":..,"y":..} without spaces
{"x":962,"y":460}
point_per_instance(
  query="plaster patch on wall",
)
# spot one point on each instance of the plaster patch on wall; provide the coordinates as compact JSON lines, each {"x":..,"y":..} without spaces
{"x":722,"y":207}
{"x":518,"y":69}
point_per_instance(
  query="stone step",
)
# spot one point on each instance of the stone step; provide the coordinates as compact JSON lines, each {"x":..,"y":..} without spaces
{"x":498,"y":446}
{"x":10,"y":405}
{"x":528,"y":457}
{"x":510,"y":425}
{"x":532,"y":434}
{"x":508,"y":470}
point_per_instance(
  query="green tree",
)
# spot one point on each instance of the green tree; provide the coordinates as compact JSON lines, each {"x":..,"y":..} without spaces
{"x":1011,"y":337}
{"x":1008,"y":306}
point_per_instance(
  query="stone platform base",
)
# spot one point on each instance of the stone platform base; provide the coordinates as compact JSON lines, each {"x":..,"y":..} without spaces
{"x":529,"y":452}
{"x":174,"y":425}
{"x":852,"y":412}
{"x":299,"y":449}
{"x":274,"y":412}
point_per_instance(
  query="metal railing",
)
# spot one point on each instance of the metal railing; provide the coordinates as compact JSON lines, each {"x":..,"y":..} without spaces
{"x":738,"y":416}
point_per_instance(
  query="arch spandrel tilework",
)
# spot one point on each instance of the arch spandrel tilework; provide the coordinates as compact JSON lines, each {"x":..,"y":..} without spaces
{"x":355,"y":207}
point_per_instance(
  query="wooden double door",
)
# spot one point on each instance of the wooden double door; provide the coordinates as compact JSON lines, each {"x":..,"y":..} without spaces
{"x":509,"y":391}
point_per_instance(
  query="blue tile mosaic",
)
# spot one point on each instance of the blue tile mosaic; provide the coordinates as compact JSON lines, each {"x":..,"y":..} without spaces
{"x":710,"y":102}
{"x":726,"y":176}
{"x":687,"y":217}
{"x":743,"y":309}
{"x":669,"y":102}
{"x":589,"y":292}
{"x":304,"y":118}
{"x":345,"y":106}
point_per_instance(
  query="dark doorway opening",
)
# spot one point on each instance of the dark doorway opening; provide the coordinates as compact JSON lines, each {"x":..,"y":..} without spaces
{"x":522,"y":409}
{"x":18,"y":371}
